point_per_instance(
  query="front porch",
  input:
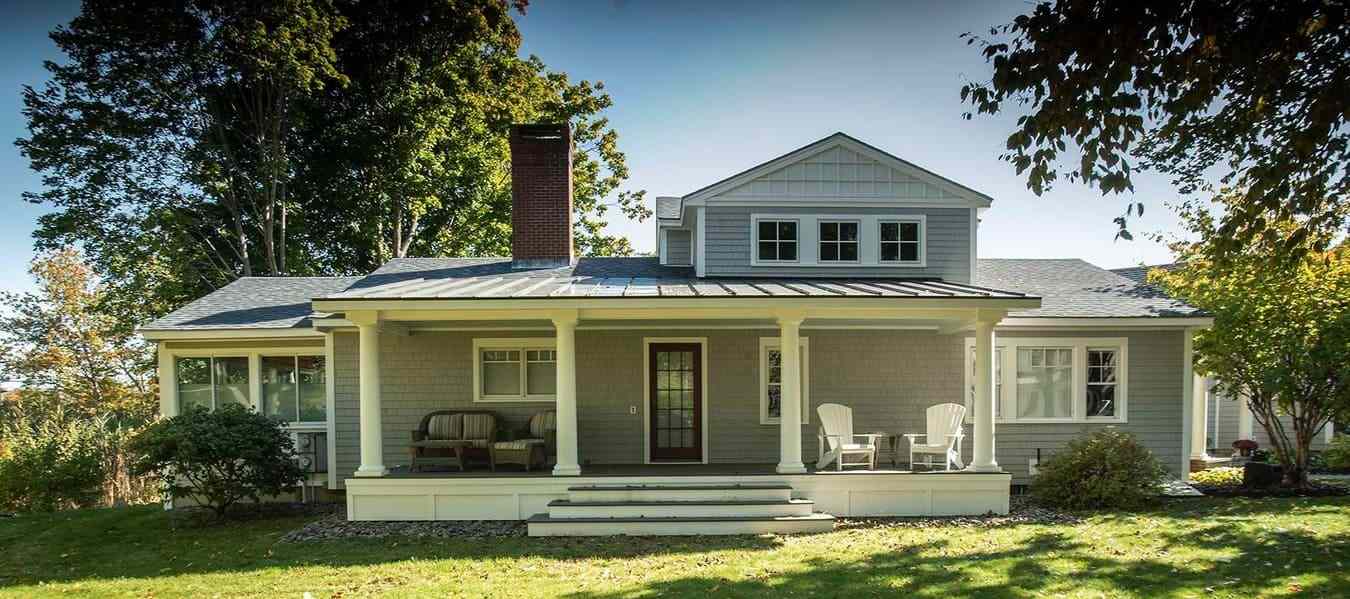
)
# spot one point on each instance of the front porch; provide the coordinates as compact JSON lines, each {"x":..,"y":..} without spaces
{"x":518,"y":495}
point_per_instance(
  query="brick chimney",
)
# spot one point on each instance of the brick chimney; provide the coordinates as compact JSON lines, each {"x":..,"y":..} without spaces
{"x":541,"y":196}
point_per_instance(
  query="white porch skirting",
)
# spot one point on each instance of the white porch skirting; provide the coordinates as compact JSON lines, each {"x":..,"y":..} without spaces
{"x":855,"y":494}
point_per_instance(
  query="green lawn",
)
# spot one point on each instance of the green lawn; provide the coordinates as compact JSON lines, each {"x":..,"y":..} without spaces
{"x":1223,"y":548}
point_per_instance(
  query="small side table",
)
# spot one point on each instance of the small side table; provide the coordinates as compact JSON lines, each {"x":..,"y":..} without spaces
{"x":892,"y":445}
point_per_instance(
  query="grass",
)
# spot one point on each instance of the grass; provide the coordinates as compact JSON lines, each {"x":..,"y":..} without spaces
{"x":1221,"y":548}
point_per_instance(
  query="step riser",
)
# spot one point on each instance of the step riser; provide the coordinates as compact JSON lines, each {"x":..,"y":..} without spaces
{"x":680,"y":511}
{"x":657,"y":494}
{"x":601,"y":529}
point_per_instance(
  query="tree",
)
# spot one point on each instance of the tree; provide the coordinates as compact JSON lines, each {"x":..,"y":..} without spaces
{"x":185,"y":144}
{"x":1281,"y":334}
{"x":1255,"y":92}
{"x":65,"y":353}
{"x":219,"y":458}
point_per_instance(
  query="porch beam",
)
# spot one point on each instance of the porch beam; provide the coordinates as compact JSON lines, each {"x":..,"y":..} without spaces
{"x":565,"y":326}
{"x":983,"y":458}
{"x":790,"y":404}
{"x":371,"y":423}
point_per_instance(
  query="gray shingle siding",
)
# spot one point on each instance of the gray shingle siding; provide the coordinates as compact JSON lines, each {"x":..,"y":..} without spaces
{"x":678,"y":242}
{"x":728,"y":239}
{"x":887,"y":377}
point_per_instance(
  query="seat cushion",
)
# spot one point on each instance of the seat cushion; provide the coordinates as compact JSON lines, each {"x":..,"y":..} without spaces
{"x":445,"y":426}
{"x":518,"y":444}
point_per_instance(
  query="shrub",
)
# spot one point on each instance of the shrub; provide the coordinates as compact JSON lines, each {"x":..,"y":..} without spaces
{"x":1104,"y":469}
{"x":1228,"y":478}
{"x":1337,"y":455}
{"x":51,"y":463}
{"x":219,"y":458}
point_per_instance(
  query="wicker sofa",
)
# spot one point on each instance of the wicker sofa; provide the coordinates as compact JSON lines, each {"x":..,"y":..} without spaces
{"x":453,"y":437}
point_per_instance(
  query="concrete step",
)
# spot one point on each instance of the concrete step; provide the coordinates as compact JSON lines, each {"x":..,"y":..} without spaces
{"x":561,"y":508}
{"x":542,"y":525}
{"x":680,"y":492}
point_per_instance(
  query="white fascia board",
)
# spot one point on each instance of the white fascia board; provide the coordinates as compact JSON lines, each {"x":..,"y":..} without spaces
{"x":1154,"y":322}
{"x":209,"y":334}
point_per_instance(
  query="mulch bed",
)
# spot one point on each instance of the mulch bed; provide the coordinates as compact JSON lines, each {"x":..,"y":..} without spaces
{"x":1315,"y":490}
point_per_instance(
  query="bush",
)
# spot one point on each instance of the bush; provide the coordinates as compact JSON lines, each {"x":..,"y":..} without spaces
{"x":219,"y":458}
{"x":1104,"y":469}
{"x":51,"y":463}
{"x":1227,"y":478}
{"x":1337,"y":455}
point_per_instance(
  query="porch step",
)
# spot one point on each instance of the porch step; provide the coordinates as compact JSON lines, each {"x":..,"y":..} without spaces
{"x":678,"y":492}
{"x":543,"y":525}
{"x":561,"y":508}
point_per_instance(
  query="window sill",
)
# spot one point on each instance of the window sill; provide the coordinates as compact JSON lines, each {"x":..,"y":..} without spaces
{"x":516,"y":399}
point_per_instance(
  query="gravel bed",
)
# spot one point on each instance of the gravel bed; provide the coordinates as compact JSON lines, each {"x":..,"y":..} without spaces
{"x":1021,"y":510}
{"x":336,"y":526}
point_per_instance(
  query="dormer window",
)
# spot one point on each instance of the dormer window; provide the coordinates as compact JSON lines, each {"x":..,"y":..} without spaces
{"x":901,"y":241}
{"x":777,"y":240}
{"x":838,"y":241}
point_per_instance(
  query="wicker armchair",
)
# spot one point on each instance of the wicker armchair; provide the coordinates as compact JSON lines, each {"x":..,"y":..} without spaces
{"x":531,"y":445}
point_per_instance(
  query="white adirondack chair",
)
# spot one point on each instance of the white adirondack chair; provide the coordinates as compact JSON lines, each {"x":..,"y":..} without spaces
{"x":943,"y":437}
{"x":836,"y":433}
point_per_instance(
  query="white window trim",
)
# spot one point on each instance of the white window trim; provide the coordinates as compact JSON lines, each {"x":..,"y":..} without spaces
{"x":754,"y":238}
{"x":923,"y":235}
{"x":169,"y":371}
{"x":869,"y":239}
{"x":766,"y":344}
{"x":521,"y":344}
{"x":1080,"y":346}
{"x":858,"y":242}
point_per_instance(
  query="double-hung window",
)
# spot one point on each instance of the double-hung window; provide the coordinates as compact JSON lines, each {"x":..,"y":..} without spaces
{"x":771,"y":380}
{"x":294,"y":388}
{"x":838,"y":241}
{"x":211,"y":382}
{"x":776,"y":240}
{"x":1062,"y":379}
{"x":515,"y":370}
{"x":901,"y":241}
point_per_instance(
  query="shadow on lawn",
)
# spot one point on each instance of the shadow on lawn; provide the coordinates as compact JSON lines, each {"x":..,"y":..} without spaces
{"x":144,"y":543}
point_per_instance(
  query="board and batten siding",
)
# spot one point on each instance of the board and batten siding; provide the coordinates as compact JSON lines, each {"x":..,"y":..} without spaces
{"x":728,"y":239}
{"x":678,"y":242}
{"x":888,"y":377}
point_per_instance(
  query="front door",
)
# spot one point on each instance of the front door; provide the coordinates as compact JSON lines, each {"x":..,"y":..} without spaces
{"x":675,"y":377}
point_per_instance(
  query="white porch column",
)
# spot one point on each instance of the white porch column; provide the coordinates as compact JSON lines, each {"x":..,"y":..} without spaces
{"x":983,"y":459}
{"x":1244,"y":419}
{"x":790,"y":406}
{"x":565,"y":325}
{"x":371,"y":424}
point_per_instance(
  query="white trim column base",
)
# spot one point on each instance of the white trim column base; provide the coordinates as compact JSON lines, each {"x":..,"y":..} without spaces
{"x":790,"y":469}
{"x":561,"y":470}
{"x":371,"y":471}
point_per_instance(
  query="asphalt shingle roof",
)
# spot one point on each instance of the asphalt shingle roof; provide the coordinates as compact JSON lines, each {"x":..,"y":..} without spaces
{"x":1072,"y":288}
{"x":254,"y":303}
{"x":1069,"y":288}
{"x":1139,"y":274}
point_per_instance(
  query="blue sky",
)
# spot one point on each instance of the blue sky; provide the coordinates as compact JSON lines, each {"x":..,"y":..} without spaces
{"x":705,"y":89}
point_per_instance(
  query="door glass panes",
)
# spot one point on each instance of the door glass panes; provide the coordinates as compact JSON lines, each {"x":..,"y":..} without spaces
{"x":675,"y":396}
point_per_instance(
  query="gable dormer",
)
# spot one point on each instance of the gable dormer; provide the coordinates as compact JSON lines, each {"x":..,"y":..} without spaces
{"x":835,"y":208}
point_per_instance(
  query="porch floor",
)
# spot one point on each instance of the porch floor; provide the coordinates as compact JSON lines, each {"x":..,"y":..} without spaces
{"x":629,"y":470}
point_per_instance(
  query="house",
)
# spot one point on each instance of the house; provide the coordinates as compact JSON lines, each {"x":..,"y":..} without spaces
{"x":1226,"y":419}
{"x":680,"y":403}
